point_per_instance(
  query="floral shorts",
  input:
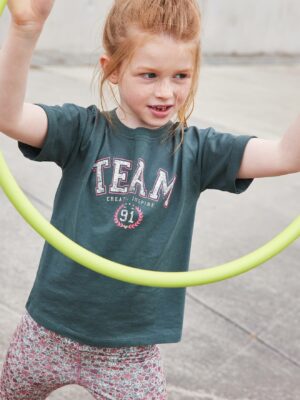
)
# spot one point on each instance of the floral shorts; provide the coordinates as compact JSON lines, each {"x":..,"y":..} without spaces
{"x":39,"y":361}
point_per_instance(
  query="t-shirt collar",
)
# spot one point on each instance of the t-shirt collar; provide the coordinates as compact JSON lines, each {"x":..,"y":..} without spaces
{"x":125,"y":130}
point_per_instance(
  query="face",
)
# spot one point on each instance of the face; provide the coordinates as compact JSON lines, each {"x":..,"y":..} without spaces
{"x":156,"y":83}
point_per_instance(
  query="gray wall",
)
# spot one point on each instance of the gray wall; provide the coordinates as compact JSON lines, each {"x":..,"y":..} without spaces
{"x":251,"y":26}
{"x":229,"y":26}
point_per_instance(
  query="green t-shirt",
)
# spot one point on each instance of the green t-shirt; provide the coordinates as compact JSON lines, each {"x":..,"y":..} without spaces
{"x":128,"y":195}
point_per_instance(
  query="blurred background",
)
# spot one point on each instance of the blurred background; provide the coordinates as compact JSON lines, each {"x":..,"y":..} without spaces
{"x":241,"y":338}
{"x":230,"y":27}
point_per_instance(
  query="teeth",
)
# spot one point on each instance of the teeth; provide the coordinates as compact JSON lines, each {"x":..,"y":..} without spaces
{"x":161,"y":108}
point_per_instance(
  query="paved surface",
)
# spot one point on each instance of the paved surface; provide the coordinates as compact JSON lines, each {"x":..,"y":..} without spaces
{"x":241,"y":337}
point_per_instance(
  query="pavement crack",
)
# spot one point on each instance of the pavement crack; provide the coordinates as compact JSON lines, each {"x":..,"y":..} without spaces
{"x":252,"y":335}
{"x":37,"y":200}
{"x":227,"y":319}
{"x":199,"y":394}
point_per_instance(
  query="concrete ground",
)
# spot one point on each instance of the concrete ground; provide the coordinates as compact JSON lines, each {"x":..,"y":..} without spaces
{"x":241,"y":337}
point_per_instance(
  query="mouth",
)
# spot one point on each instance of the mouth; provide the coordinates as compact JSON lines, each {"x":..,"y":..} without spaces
{"x":161,"y":107}
{"x":160,"y":111}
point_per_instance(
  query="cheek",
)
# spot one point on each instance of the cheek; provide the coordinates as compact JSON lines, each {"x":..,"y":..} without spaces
{"x":183,"y":92}
{"x":140,"y":92}
{"x":135,"y":89}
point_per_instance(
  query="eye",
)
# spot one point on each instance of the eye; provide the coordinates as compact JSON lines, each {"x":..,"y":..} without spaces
{"x":181,"y":76}
{"x":149,"y":75}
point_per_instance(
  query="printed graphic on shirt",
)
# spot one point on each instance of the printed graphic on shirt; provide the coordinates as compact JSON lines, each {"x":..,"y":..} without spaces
{"x":127,"y":186}
{"x":128,"y":216}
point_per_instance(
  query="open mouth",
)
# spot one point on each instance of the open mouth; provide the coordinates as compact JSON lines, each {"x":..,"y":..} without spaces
{"x":160,"y":108}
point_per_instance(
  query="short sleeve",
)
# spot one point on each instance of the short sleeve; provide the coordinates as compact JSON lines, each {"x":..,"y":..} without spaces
{"x":219,"y":160}
{"x":69,"y":127}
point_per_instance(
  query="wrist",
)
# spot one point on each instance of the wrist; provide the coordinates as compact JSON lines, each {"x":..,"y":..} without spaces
{"x":26,"y":30}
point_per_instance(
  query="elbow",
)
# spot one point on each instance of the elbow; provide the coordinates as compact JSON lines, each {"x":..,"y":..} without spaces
{"x":289,"y":157}
{"x":290,"y":165}
{"x":297,"y":166}
{"x":6,"y":131}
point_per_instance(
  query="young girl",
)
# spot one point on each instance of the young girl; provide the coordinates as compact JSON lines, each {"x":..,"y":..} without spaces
{"x":131,"y":178}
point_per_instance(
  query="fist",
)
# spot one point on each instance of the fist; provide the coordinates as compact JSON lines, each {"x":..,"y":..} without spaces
{"x":30,"y":13}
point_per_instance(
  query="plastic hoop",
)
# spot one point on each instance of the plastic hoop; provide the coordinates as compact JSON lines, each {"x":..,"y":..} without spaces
{"x":129,"y":274}
{"x":2,"y":6}
{"x":135,"y":275}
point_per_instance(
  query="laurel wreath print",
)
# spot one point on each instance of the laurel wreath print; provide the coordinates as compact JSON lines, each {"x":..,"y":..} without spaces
{"x":124,"y":218}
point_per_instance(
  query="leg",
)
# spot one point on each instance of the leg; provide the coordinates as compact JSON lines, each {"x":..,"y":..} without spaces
{"x":132,"y":373}
{"x":33,"y":368}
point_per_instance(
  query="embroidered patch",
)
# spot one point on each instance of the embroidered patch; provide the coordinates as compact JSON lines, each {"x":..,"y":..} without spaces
{"x":128,"y":216}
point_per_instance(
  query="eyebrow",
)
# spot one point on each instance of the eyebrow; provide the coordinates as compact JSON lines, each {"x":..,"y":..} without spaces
{"x":145,"y":68}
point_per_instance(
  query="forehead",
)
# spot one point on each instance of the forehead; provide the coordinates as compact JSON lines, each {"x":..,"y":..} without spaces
{"x":161,"y":51}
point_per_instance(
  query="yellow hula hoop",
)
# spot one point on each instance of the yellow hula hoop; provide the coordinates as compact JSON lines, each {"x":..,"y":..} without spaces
{"x":135,"y":275}
{"x":2,"y":6}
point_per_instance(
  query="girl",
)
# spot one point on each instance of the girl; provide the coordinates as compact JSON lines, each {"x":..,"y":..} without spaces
{"x":131,"y":178}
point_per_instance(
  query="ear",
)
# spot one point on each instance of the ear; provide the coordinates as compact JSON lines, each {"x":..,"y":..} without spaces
{"x":104,"y":61}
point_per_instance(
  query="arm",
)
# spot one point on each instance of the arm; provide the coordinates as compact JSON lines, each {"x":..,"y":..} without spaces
{"x":263,"y":158}
{"x":19,"y":120}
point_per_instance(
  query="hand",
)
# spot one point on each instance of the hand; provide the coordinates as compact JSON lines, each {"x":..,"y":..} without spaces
{"x":30,"y":13}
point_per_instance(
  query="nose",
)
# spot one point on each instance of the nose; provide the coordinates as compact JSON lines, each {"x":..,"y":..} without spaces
{"x":163,"y":89}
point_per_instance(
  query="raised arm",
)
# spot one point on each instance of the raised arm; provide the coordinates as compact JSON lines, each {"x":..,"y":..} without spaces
{"x":264,"y":158}
{"x":19,"y":120}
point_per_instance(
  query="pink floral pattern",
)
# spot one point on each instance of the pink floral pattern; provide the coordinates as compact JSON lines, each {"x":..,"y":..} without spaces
{"x":39,"y":361}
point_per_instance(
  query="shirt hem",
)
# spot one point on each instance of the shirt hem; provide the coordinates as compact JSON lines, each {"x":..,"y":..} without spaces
{"x":125,"y":342}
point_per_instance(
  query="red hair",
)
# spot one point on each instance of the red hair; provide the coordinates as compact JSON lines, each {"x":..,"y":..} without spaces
{"x":181,"y":19}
